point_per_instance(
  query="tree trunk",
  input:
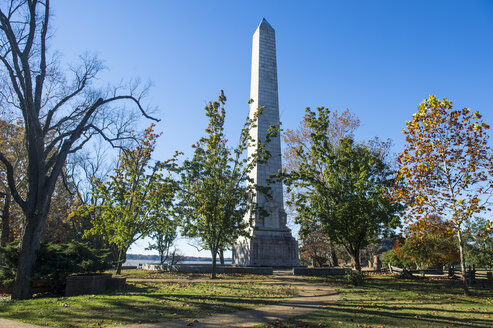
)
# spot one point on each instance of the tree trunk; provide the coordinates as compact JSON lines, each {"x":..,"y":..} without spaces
{"x":121,"y":258}
{"x":355,"y":259}
{"x":221,"y":256}
{"x":6,"y":220}
{"x":167,"y":255}
{"x":214,"y":257}
{"x":333,"y":256}
{"x":31,"y":238}
{"x":162,"y":255}
{"x":462,"y":262}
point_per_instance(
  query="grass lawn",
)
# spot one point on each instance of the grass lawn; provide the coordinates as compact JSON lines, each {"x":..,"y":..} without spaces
{"x":386,"y":301}
{"x":149,"y":274}
{"x":143,"y":302}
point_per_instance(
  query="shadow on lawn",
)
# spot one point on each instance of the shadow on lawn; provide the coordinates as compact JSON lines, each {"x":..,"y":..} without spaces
{"x":388,"y":316}
{"x":137,"y":303}
{"x":148,"y":291}
{"x":450,"y":287}
{"x":396,"y":302}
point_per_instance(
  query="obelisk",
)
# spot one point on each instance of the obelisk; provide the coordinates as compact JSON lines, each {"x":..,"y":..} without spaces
{"x":271,"y":242}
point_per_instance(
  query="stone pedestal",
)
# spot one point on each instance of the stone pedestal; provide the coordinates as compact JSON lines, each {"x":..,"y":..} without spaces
{"x":277,"y":250}
{"x":271,"y":242}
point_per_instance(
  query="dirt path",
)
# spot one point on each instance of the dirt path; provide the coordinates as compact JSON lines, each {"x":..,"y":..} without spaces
{"x":4,"y":323}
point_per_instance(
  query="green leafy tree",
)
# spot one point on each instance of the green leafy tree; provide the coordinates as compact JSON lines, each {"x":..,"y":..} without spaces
{"x":393,"y":257}
{"x":344,"y":188}
{"x":446,"y":167}
{"x":163,"y":238}
{"x":132,"y":198}
{"x":341,"y":125}
{"x":479,"y":244}
{"x":214,"y":189}
{"x":166,"y":221}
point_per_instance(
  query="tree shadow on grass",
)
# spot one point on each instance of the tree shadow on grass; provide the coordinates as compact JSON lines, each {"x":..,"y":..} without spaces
{"x":392,"y":317}
{"x":401,"y":303}
{"x":137,"y":303}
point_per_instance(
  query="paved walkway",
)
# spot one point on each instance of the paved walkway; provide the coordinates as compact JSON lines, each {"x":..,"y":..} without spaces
{"x":312,"y":296}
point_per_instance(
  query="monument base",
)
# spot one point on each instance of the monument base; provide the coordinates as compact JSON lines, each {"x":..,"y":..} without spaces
{"x":266,"y":249}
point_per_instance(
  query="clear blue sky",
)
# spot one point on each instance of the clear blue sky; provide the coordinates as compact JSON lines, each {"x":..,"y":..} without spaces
{"x":380,"y":59}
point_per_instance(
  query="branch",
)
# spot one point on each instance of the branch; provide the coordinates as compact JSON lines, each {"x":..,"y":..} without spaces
{"x":11,"y":181}
{"x":32,"y":28}
{"x":136,"y":101}
{"x":16,"y":52}
{"x":109,"y":140}
{"x":55,"y":141}
{"x":65,"y":183}
{"x":52,"y":111}
{"x":42,"y":65}
{"x":13,"y":79}
{"x":197,"y":247}
{"x":75,"y":114}
{"x":12,"y":10}
{"x":79,"y":147}
{"x":67,"y":144}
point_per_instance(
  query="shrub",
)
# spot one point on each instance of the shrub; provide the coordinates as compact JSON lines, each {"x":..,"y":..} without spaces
{"x":391,"y":257}
{"x":354,"y":278}
{"x":8,"y":263}
{"x":55,"y":262}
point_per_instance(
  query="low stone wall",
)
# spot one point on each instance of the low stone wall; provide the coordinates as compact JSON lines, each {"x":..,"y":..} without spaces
{"x":115,"y":283}
{"x":195,"y":268}
{"x":207,"y":268}
{"x":319,"y":272}
{"x":92,"y":284}
{"x":249,"y":270}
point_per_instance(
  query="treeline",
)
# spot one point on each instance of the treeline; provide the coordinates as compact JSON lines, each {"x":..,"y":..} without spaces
{"x":158,"y":258}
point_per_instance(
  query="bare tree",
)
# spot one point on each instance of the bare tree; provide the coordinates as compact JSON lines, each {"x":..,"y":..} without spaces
{"x":81,"y":170}
{"x":60,"y":114}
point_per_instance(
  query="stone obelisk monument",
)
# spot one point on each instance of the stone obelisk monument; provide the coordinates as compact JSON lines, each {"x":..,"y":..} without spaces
{"x":271,"y":242}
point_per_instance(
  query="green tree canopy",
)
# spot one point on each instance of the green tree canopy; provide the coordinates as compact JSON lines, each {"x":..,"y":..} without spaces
{"x":135,"y":196}
{"x":479,"y":244}
{"x":215,"y":183}
{"x":344,"y":188}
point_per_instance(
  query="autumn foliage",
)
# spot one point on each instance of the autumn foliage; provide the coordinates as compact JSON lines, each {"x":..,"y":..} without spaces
{"x":446,"y":166}
{"x":430,"y":242}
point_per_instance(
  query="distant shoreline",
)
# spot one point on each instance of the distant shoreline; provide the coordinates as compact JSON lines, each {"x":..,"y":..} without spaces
{"x":136,"y":259}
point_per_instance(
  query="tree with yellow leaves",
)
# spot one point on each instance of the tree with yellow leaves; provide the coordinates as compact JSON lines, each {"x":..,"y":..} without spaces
{"x":430,"y":242}
{"x":446,"y":167}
